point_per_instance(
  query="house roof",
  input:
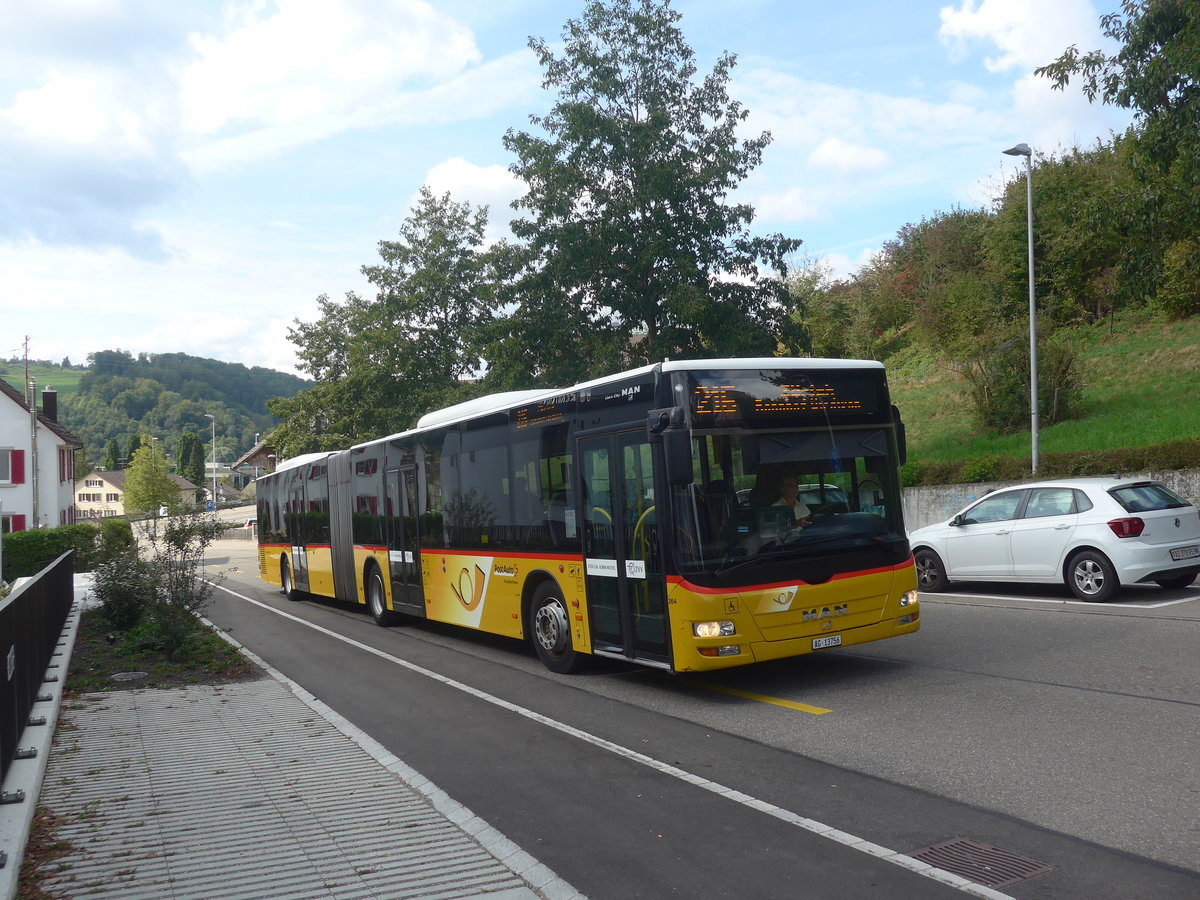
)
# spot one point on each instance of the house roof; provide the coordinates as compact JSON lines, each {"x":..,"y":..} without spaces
{"x":258,"y":455}
{"x":15,"y":395}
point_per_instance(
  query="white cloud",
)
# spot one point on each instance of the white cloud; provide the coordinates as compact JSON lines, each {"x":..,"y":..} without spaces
{"x":303,"y":58}
{"x":848,"y":158}
{"x":791,"y":206}
{"x":1027,"y":33}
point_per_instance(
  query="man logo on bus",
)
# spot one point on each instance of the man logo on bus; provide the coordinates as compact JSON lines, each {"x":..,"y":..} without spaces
{"x":826,"y":612}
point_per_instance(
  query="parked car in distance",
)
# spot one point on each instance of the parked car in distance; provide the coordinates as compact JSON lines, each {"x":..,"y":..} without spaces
{"x":1092,"y":534}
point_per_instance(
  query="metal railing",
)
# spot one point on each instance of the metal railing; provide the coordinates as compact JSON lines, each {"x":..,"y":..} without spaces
{"x":31,"y":624}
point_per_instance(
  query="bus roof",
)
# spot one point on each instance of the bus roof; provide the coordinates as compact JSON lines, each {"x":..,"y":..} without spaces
{"x":505,"y":400}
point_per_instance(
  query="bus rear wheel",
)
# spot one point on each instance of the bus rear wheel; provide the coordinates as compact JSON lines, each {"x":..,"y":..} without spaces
{"x":285,"y":579}
{"x":551,"y":631}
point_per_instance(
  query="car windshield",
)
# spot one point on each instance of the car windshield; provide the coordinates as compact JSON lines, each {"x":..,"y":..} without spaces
{"x":768,"y":500}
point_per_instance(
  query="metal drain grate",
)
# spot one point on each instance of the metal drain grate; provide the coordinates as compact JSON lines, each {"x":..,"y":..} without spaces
{"x":981,"y":863}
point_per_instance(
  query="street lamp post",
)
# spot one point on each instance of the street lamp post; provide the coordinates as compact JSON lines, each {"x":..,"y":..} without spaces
{"x":214,"y":458}
{"x":1025,"y":151}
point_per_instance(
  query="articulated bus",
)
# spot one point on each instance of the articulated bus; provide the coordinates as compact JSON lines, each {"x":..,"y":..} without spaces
{"x":637,"y":516}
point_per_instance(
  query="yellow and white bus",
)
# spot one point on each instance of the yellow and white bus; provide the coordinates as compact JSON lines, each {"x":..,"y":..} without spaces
{"x":637,"y":516}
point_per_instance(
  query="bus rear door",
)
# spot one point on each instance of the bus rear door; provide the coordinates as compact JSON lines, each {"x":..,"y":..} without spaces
{"x":625,"y":583}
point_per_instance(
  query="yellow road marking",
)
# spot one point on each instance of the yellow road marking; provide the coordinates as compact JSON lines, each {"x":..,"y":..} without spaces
{"x":763,"y":698}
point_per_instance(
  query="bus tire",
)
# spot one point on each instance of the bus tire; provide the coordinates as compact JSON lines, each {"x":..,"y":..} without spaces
{"x":377,"y":597}
{"x":931,"y":574}
{"x":1090,"y":576}
{"x":285,"y":579}
{"x":550,"y":630}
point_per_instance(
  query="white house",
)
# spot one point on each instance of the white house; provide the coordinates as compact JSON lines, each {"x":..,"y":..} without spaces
{"x":37,"y":464}
{"x":102,"y":494}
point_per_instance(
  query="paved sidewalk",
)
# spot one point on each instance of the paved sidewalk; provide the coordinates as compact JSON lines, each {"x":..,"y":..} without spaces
{"x":258,"y":790}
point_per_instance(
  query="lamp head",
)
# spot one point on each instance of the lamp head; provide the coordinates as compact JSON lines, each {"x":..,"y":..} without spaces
{"x":1019,"y":150}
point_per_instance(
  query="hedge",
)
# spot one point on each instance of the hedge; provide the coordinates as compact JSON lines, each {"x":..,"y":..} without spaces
{"x":1170,"y":457}
{"x":28,"y":552}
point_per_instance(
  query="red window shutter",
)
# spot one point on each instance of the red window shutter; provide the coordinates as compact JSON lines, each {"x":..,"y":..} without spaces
{"x":17,"y":463}
{"x":18,"y":522}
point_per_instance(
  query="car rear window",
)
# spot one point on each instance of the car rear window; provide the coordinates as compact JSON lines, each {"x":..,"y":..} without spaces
{"x":1147,"y":497}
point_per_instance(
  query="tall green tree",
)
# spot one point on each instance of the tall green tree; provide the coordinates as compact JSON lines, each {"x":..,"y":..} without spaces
{"x":135,"y":442}
{"x":148,"y":482}
{"x":629,"y":230}
{"x":189,"y":458}
{"x":112,"y":456}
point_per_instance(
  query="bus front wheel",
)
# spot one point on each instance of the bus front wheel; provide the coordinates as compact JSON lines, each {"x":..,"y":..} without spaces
{"x":551,"y":632}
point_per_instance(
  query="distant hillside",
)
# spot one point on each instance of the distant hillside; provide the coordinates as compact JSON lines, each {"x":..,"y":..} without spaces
{"x":119,"y":395}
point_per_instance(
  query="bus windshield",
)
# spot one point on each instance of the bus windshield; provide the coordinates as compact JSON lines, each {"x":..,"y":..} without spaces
{"x":807,"y":504}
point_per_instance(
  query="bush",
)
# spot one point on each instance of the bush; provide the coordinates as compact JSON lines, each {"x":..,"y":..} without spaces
{"x":155,"y":598}
{"x":998,"y":379}
{"x":124,"y":586}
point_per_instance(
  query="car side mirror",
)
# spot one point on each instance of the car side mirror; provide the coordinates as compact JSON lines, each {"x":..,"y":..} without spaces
{"x":956,"y":521}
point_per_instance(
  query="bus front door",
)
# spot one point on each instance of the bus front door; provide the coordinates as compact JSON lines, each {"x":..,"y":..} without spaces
{"x":624,"y":579}
{"x":404,"y":555}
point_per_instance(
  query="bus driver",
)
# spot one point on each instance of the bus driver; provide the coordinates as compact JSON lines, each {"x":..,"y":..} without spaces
{"x":789,"y":495}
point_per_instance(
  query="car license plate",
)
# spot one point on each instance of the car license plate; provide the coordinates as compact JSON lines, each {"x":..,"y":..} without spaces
{"x":834,"y":640}
{"x":1185,"y":552}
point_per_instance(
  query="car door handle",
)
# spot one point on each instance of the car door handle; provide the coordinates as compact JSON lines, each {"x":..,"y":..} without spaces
{"x":1061,"y":527}
{"x":999,"y":533}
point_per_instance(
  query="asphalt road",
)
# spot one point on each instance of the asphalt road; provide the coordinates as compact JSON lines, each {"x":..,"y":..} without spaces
{"x":1060,"y":732}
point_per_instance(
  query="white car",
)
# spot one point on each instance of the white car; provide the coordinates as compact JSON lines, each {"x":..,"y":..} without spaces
{"x":1093,"y":534}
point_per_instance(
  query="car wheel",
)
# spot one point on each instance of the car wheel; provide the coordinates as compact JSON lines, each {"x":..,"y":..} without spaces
{"x":377,"y":598}
{"x":551,"y":631}
{"x":1090,"y":576}
{"x":285,"y":579}
{"x":931,"y":574}
{"x":1176,"y":581}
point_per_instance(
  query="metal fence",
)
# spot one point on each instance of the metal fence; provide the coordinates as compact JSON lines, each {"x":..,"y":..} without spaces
{"x":31,"y":623}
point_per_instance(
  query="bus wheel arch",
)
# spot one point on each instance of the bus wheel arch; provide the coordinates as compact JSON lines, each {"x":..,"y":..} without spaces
{"x":547,"y":625}
{"x":375,"y":592}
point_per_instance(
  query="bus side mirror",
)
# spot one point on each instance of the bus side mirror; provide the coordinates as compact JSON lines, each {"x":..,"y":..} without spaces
{"x":677,"y":449}
{"x":901,"y":439}
{"x":659,"y":420}
{"x":667,"y":425}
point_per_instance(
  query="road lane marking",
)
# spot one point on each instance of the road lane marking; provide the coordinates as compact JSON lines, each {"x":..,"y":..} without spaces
{"x":763,"y":698}
{"x":844,"y":838}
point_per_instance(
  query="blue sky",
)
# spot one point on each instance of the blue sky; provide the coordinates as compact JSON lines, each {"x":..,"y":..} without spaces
{"x":190,"y":176}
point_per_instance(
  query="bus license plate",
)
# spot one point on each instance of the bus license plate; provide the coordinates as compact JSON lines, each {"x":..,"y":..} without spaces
{"x":1185,"y":552}
{"x":834,"y":640}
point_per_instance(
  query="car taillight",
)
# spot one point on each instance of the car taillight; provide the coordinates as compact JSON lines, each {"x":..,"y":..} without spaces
{"x":1127,"y":528}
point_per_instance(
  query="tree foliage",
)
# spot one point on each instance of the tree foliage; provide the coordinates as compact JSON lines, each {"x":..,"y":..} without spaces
{"x":628,"y":230}
{"x":148,"y":482}
{"x":1156,"y":73}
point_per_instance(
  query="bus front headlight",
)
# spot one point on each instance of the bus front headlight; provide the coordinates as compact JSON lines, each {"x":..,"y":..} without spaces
{"x":713,"y":629}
